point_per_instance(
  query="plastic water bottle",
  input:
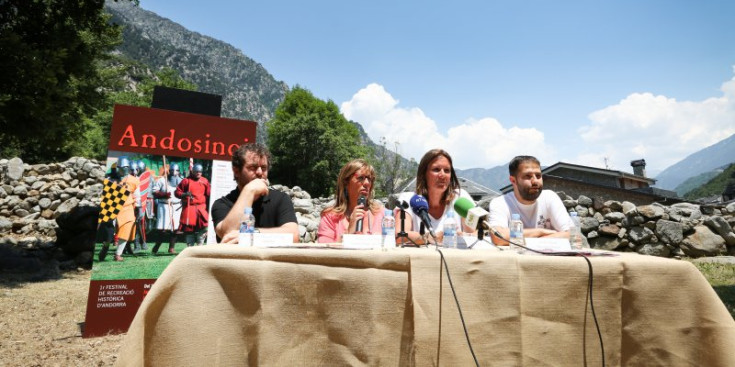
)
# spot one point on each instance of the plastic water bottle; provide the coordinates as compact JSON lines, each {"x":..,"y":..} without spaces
{"x":575,"y":233}
{"x":389,"y":230}
{"x":450,"y":231}
{"x":516,"y":232}
{"x":247,"y":228}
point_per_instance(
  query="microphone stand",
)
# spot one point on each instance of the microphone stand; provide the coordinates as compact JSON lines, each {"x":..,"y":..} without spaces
{"x":402,"y":233}
{"x":480,"y":238}
{"x":422,"y":232}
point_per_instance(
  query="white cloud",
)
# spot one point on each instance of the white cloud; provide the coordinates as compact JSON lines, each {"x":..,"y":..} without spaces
{"x":475,"y":143}
{"x":659,"y":129}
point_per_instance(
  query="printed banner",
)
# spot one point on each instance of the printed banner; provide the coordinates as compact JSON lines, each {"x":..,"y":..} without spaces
{"x":157,"y":195}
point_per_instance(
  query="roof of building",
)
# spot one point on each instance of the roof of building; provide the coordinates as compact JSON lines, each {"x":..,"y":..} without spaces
{"x":600,"y":171}
{"x":657,"y":195}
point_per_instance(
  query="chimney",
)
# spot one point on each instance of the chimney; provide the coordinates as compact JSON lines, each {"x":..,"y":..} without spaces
{"x":639,"y":167}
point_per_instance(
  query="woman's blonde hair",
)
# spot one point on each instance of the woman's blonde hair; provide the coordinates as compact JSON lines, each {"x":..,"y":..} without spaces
{"x":345,"y":174}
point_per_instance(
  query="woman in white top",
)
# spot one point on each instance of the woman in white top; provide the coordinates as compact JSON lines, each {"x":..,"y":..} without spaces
{"x":437,"y":182}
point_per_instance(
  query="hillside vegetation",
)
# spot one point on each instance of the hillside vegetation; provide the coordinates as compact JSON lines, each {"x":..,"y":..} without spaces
{"x":715,"y":186}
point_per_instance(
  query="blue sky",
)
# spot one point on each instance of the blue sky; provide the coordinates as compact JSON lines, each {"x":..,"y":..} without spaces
{"x":584,"y":82}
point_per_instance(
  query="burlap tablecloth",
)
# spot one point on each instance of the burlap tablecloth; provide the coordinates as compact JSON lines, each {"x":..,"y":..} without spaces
{"x":223,"y":305}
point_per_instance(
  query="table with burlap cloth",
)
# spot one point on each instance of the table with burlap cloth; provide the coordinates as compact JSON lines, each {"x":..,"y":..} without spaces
{"x":224,"y":305}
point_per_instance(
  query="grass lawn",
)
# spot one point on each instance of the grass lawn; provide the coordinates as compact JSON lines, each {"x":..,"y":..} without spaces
{"x":143,"y":265}
{"x":722,"y":278}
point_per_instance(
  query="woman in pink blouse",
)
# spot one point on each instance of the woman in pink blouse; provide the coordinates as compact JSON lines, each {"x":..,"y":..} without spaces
{"x":355,"y":180}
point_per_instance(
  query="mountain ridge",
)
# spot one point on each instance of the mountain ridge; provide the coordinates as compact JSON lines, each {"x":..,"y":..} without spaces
{"x":248,"y":90}
{"x":705,"y":160}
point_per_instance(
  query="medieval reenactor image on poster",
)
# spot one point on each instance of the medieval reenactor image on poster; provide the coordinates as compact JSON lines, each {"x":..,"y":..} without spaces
{"x":126,"y":219}
{"x":167,"y":206}
{"x":194,"y":192}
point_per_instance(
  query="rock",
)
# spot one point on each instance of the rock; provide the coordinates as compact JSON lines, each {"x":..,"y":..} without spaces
{"x":681,"y":210}
{"x":20,"y":212}
{"x":582,"y":211}
{"x":615,"y":217}
{"x":650,"y":225}
{"x":304,"y":206}
{"x":614,"y":205}
{"x":636,"y":220}
{"x":707,"y":209}
{"x":20,"y":191}
{"x":44,"y":203}
{"x":15,"y":169}
{"x":651,"y":212}
{"x":5,"y":224}
{"x":598,"y":204}
{"x":605,"y":243}
{"x":722,"y":228}
{"x":629,"y":208}
{"x":67,"y":206}
{"x":588,"y":224}
{"x":659,"y":249}
{"x":38,"y":185}
{"x":609,"y":230}
{"x":584,"y":201}
{"x":640,"y":235}
{"x":670,"y":232}
{"x":30,"y":180}
{"x":599,"y":217}
{"x":308,"y":224}
{"x":569,"y":203}
{"x":703,"y":242}
{"x":41,"y":169}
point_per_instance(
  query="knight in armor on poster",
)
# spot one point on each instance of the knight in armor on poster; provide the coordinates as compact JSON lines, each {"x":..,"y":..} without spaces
{"x":127,"y":215}
{"x":194,"y":193}
{"x":168,"y":207}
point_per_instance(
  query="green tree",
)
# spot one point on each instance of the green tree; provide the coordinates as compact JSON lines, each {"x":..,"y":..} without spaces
{"x":49,"y":79}
{"x":310,"y":141}
{"x":391,"y":169}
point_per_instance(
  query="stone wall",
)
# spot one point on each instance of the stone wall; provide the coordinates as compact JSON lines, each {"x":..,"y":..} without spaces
{"x":47,"y":212}
{"x":682,"y":229}
{"x":48,"y":217}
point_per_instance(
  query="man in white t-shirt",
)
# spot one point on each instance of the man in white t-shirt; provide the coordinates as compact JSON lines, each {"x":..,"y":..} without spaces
{"x":542,"y":212}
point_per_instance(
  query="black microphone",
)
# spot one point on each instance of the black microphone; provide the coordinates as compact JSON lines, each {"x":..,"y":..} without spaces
{"x":358,"y":226}
{"x":420,"y":207}
{"x":403,"y":204}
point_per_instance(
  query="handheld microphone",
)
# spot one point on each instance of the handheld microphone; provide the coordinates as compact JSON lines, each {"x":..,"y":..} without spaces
{"x":474,"y":216}
{"x":358,"y":226}
{"x":420,"y":207}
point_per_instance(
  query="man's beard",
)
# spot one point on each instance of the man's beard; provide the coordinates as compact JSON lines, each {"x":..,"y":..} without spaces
{"x":528,"y":196}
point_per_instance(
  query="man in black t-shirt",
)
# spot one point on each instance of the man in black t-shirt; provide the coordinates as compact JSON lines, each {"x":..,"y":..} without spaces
{"x":273,"y":210}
